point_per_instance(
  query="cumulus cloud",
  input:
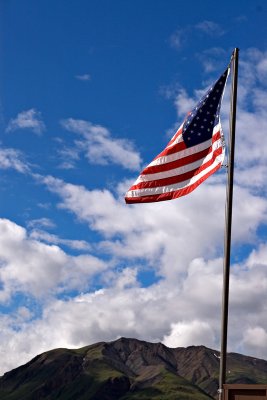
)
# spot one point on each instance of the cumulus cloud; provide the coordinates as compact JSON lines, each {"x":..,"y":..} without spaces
{"x":100,"y":147}
{"x":86,"y":319}
{"x":155,"y":231}
{"x":30,"y":119}
{"x":255,"y":339}
{"x":183,"y":334}
{"x":177,"y":314}
{"x":39,"y":269}
{"x":262,"y":69}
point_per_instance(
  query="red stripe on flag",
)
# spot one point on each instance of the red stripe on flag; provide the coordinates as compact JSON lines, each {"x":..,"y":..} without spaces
{"x":170,"y":195}
{"x":164,"y":166}
{"x":177,"y":163}
{"x":177,"y":178}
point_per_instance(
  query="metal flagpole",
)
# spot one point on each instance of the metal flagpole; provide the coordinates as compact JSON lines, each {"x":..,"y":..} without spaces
{"x":228,"y":226}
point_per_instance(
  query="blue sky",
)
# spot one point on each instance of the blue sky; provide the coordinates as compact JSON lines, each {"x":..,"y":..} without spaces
{"x":90,"y":92}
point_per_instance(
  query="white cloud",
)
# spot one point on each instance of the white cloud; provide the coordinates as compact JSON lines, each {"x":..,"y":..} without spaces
{"x":258,"y":257}
{"x":30,"y":119}
{"x":210,"y":28}
{"x":177,"y":39}
{"x":183,"y":334}
{"x":124,"y":279}
{"x":255,"y":339}
{"x":211,"y":59}
{"x":262,"y":69}
{"x":33,"y":267}
{"x":97,"y":207}
{"x":43,"y":236}
{"x":103,"y":315}
{"x":99,"y":146}
{"x":83,"y":77}
{"x":41,"y":222}
{"x":183,"y":103}
{"x":13,"y":159}
{"x":69,"y":156}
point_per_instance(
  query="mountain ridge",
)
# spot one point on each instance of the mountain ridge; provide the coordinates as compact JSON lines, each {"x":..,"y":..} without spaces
{"x":127,"y":369}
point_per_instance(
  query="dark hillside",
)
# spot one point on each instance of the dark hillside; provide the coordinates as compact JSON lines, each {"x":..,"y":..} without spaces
{"x":127,"y":369}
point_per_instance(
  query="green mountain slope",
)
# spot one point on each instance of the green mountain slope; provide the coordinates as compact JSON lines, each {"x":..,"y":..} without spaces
{"x":127,"y":369}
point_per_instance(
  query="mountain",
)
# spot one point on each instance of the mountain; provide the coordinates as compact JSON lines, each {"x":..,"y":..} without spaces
{"x":127,"y":369}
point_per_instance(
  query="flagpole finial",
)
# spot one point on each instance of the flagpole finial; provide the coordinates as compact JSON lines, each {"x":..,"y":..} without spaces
{"x":235,"y":52}
{"x":234,"y":55}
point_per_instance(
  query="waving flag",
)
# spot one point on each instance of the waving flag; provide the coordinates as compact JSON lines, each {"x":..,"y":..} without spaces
{"x":194,"y":153}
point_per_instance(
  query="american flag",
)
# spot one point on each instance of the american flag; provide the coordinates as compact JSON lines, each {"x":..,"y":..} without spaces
{"x":194,"y":153}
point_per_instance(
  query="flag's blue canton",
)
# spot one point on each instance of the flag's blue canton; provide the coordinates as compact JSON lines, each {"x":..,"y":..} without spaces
{"x":199,"y":124}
